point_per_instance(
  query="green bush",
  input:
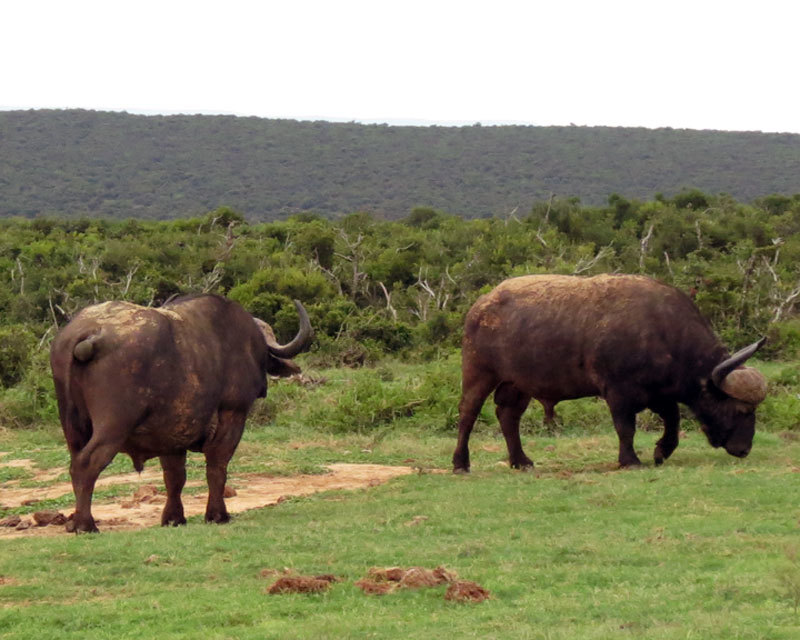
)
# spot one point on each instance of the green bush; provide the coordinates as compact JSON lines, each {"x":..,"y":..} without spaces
{"x":16,"y":344}
{"x":783,"y":339}
{"x":390,"y":336}
{"x":32,"y":401}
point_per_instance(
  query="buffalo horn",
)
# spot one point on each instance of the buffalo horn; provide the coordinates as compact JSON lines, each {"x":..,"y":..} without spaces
{"x":746,"y":384}
{"x":299,"y":342}
{"x":721,"y":371}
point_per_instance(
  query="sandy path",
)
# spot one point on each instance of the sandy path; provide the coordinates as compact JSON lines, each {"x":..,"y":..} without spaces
{"x":143,"y":509}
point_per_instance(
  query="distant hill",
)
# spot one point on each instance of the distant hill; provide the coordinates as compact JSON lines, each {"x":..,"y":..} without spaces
{"x":117,"y":165}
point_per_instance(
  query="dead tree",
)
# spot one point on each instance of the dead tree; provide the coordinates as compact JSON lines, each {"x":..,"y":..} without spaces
{"x":355,"y":257}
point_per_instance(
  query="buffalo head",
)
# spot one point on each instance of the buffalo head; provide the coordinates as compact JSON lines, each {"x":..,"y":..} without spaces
{"x":727,"y":403}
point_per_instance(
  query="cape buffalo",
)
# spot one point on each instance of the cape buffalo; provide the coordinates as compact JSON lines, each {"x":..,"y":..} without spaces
{"x":631,"y":340}
{"x":158,"y":382}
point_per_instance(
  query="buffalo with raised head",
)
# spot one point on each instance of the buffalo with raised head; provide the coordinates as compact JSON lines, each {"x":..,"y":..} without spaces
{"x":635,"y":342}
{"x":156,"y":382}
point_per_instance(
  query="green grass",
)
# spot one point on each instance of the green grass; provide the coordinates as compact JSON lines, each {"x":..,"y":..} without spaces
{"x":704,"y":547}
{"x":697,"y":548}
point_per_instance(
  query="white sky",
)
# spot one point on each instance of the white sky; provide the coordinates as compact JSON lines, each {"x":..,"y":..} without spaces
{"x":702,"y":64}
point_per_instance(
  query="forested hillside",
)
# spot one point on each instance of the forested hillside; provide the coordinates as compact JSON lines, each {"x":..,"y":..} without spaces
{"x":117,"y":165}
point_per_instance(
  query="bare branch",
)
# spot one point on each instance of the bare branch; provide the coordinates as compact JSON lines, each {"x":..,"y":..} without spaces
{"x":644,"y":244}
{"x":669,"y":265}
{"x":129,"y":278}
{"x":21,"y":276}
{"x":315,"y":264}
{"x":512,"y":216}
{"x":545,"y":221}
{"x":44,"y":337}
{"x":786,"y":304}
{"x":389,"y":306}
{"x":770,"y":268}
{"x":549,"y":207}
{"x":584,"y":265}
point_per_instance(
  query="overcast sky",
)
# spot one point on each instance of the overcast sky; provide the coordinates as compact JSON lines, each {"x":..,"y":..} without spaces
{"x":701,"y":64}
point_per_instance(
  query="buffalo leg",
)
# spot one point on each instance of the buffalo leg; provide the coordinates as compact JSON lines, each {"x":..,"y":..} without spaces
{"x":174,"y":467}
{"x":84,"y":469}
{"x":670,"y":414}
{"x":549,"y":412}
{"x":511,"y":404}
{"x":474,"y":391}
{"x":219,"y":452}
{"x":625,"y":425}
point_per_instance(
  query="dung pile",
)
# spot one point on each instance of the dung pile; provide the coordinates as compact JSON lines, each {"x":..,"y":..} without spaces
{"x":291,"y":583}
{"x":381,"y":581}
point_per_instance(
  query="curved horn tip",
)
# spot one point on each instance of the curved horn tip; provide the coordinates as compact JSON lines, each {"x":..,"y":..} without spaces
{"x":303,"y":338}
{"x":736,"y":360}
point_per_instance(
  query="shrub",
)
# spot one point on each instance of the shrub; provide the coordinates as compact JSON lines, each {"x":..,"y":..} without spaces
{"x":783,"y":339}
{"x":16,"y":344}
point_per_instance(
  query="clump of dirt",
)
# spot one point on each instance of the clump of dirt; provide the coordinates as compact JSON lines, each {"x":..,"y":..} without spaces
{"x":49,"y":517}
{"x":466,"y":591}
{"x":146,"y":493}
{"x":417,"y":578}
{"x":383,"y":580}
{"x":5,"y":580}
{"x":299,"y":584}
{"x":387,"y":574}
{"x":380,"y":581}
{"x":10,"y":521}
{"x":375,"y":588}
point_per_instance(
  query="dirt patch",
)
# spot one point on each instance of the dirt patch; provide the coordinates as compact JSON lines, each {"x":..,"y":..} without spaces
{"x":300,"y":584}
{"x":466,"y":591}
{"x":143,"y":509}
{"x":383,"y":580}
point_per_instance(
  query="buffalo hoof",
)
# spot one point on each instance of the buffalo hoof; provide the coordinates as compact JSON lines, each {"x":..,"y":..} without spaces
{"x":74,"y":525}
{"x":218,"y":518}
{"x":173,"y":522}
{"x":461,"y":471}
{"x":524,"y":466}
{"x":663,"y":451}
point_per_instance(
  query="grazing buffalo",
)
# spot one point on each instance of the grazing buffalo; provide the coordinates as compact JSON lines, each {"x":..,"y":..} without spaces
{"x":158,"y":382}
{"x":637,"y":343}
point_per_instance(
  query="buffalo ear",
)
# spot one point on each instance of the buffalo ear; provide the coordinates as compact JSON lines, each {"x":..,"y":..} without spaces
{"x":281,"y":368}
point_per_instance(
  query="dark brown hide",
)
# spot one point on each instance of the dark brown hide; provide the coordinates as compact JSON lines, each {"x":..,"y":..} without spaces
{"x":633,"y":341}
{"x":156,"y":383}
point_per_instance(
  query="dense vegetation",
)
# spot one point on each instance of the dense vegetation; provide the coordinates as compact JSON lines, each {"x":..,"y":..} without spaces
{"x":116,"y":165}
{"x":375,"y":288}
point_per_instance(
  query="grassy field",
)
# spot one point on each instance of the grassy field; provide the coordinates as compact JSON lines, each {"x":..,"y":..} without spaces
{"x":706,"y":546}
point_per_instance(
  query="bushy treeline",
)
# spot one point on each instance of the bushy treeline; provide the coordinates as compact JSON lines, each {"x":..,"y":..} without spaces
{"x":375,"y":288}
